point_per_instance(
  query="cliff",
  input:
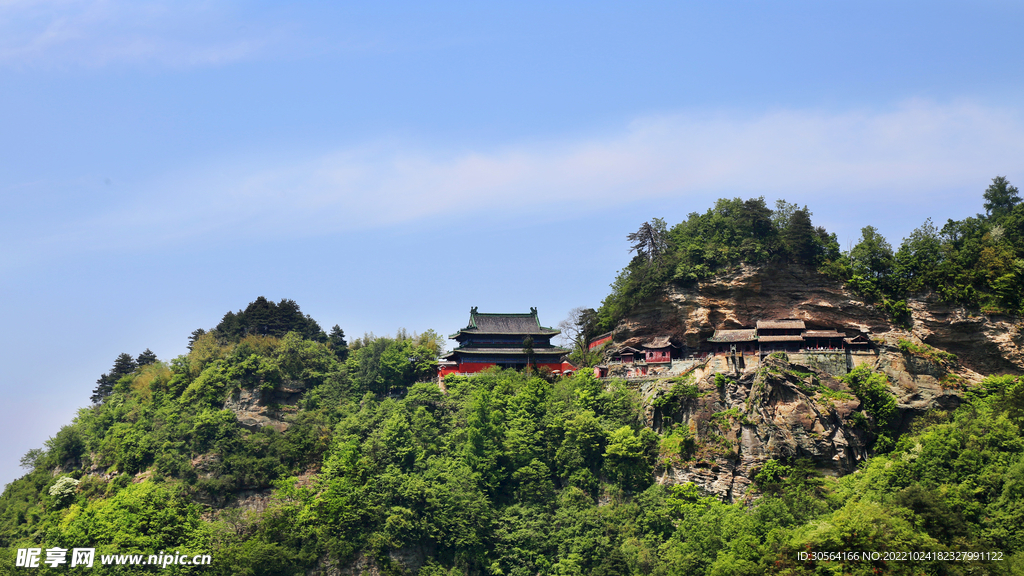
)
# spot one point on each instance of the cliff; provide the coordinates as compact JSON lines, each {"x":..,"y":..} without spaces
{"x":779,"y":414}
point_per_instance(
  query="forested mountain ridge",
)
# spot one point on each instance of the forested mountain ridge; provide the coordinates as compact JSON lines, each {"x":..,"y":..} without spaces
{"x":977,"y":262}
{"x":278,"y":448}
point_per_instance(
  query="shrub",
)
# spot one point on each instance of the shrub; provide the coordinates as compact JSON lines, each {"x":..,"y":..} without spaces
{"x":63,"y":489}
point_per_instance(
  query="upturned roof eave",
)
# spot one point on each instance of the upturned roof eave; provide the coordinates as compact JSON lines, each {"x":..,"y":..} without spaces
{"x":476,"y":331}
{"x":509,"y":351}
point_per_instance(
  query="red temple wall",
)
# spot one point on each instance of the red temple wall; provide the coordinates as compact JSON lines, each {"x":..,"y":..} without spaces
{"x":473,"y":367}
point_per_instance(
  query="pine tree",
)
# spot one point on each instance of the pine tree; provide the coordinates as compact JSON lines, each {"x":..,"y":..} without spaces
{"x":336,"y":342}
{"x":123,"y":366}
{"x":650,"y":241}
{"x":799,"y":236}
{"x":1000,"y":198}
{"x":195,"y":336}
{"x":263,"y":317}
{"x":146,"y":358}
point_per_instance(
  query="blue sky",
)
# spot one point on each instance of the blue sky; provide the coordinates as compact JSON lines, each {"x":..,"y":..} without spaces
{"x":391,"y":165}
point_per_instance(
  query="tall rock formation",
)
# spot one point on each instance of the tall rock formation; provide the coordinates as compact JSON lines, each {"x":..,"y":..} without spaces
{"x":778,"y":410}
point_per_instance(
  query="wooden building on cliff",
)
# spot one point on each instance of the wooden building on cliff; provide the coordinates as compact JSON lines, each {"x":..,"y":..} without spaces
{"x":786,"y":335}
{"x":742,"y":341}
{"x":780,"y":335}
{"x":506,"y":341}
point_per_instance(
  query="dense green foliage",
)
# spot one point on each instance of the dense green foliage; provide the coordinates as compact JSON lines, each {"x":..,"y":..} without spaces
{"x":977,"y":261}
{"x":263,"y":317}
{"x":505,"y":473}
{"x":732,"y":232}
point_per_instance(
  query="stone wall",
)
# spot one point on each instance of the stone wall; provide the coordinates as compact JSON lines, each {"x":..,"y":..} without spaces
{"x":833,"y":363}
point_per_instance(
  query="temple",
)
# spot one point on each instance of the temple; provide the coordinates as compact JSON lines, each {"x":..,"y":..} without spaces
{"x":506,"y":341}
{"x":786,"y":335}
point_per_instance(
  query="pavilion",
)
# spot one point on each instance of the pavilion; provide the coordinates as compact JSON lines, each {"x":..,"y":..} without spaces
{"x":504,"y":340}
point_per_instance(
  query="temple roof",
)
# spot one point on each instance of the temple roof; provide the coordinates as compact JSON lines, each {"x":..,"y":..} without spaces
{"x":785,"y":323}
{"x":508,"y":351}
{"x":662,"y":342}
{"x":746,"y":335}
{"x":786,"y":338}
{"x":822,"y":334}
{"x":525,"y":324}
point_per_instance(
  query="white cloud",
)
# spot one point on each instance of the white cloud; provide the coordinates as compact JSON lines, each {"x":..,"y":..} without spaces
{"x":883,"y":157}
{"x":92,"y":33}
{"x":918,"y":147}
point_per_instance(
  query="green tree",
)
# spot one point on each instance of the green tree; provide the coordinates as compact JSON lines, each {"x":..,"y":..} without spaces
{"x":336,"y":341}
{"x":123,"y":366}
{"x":1000,"y":198}
{"x":628,"y":459}
{"x":578,"y":329}
{"x":872,"y":256}
{"x":872,"y":388}
{"x":267,"y":318}
{"x":916,"y":264}
{"x":528,"y":350}
{"x":783,"y":213}
{"x":650,"y":241}
{"x":146,"y":358}
{"x":196,"y":334}
{"x":800,"y":236}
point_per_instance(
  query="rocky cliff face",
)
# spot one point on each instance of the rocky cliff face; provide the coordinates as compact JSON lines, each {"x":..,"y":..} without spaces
{"x":255,"y":408}
{"x":774,"y":411}
{"x":738,"y":299}
{"x":785,"y":416}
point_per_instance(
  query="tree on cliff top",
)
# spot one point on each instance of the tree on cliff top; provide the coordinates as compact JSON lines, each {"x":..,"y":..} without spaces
{"x":265,"y":318}
{"x":123,"y":366}
{"x":799,"y":236}
{"x":650,"y":241}
{"x":1000,"y":198}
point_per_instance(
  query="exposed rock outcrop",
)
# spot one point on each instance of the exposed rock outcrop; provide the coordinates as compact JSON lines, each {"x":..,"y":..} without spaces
{"x":785,"y":417}
{"x":738,"y":299}
{"x":741,"y":297}
{"x":255,"y":407}
{"x":774,"y":411}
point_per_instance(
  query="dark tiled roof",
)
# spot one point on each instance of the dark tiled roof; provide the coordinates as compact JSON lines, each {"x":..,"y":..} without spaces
{"x":822,"y":334}
{"x":509,"y":351}
{"x":662,"y":342}
{"x":746,"y":335}
{"x":786,"y":323}
{"x":524,"y":323}
{"x":789,"y":338}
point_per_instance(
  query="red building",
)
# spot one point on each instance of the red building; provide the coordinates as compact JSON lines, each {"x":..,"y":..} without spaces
{"x":503,"y":340}
{"x":600,"y":340}
{"x":658,"y":351}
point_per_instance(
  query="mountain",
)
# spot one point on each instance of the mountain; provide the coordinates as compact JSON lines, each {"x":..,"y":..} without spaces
{"x":273,"y":447}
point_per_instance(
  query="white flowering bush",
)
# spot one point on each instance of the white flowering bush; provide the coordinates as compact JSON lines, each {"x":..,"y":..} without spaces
{"x":64,"y":488}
